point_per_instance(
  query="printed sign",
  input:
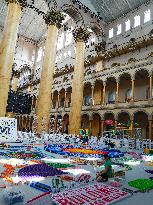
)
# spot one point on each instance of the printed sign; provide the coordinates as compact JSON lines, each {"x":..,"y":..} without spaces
{"x":8,"y":129}
{"x":96,"y":194}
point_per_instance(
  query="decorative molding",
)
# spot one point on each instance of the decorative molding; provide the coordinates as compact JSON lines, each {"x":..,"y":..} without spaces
{"x":81,"y":34}
{"x":54,"y":17}
{"x":120,"y":50}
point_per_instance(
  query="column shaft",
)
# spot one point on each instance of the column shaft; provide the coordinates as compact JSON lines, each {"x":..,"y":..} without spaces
{"x":132,"y":129}
{"x":150,"y":87}
{"x":101,"y":94}
{"x":102,"y":126}
{"x":58,"y":100}
{"x":150,"y":130}
{"x":116,"y":124}
{"x":77,"y":89}
{"x":92,"y":89}
{"x":117,"y":92}
{"x":132,"y":90}
{"x":65,"y":103}
{"x":44,"y":100}
{"x":104,"y":94}
{"x":7,"y":50}
{"x":90,"y":125}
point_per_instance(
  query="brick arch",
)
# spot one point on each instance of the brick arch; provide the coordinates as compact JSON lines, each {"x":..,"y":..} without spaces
{"x":96,"y":113}
{"x":141,"y":69}
{"x":108,"y":112}
{"x":96,"y":28}
{"x":121,"y":74}
{"x":111,"y":76}
{"x":85,"y":113}
{"x":141,"y":110}
{"x":123,"y":111}
{"x":73,"y":12}
{"x":55,"y":91}
{"x":87,"y":83}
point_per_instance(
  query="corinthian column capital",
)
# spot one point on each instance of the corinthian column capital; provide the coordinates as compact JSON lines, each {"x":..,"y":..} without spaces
{"x":54,"y":17}
{"x":81,"y":34}
{"x":22,"y":3}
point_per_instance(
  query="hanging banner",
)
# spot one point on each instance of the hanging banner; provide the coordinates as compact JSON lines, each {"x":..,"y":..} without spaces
{"x":8,"y":129}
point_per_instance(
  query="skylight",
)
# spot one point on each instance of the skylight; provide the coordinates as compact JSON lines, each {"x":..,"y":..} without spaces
{"x":111,"y":31}
{"x":136,"y":21}
{"x":127,"y":25}
{"x":147,"y":16}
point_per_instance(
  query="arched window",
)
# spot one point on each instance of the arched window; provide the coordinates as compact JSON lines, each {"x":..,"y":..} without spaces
{"x":60,"y":42}
{"x":119,"y":29}
{"x":136,"y":21}
{"x":111,"y":33}
{"x":69,"y":37}
{"x":147,"y":15}
{"x":127,"y":25}
{"x":39,"y":55}
{"x":111,"y":97}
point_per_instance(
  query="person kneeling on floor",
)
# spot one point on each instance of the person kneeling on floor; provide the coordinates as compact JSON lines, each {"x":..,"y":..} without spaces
{"x":107,"y":172}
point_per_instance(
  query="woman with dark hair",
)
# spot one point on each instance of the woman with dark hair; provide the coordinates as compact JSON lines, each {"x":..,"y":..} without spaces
{"x":107,"y":172}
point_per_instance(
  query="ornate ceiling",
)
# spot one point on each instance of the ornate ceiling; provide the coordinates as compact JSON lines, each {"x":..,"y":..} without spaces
{"x":33,"y":26}
{"x":112,"y":9}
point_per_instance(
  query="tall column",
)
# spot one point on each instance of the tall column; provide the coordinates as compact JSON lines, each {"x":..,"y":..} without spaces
{"x":117,"y":92}
{"x":58,"y":99}
{"x":90,"y":125}
{"x":53,"y":19}
{"x":150,"y":130}
{"x":116,"y":122}
{"x":151,"y":87}
{"x":133,"y":82}
{"x":81,"y":35}
{"x":104,"y":92}
{"x":101,"y":101}
{"x":132,"y":128}
{"x":92,"y":90}
{"x":102,"y":126}
{"x":7,"y":49}
{"x":65,"y":102}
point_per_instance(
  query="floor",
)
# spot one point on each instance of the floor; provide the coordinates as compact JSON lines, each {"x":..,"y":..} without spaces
{"x":138,"y":171}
